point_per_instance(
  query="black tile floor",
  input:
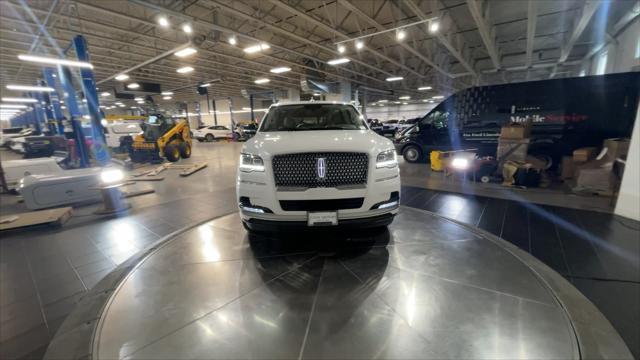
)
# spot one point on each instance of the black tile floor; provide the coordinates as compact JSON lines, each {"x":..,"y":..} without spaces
{"x":598,"y":253}
{"x":44,"y":273}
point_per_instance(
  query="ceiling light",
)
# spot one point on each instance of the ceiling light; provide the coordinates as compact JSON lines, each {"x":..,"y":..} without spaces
{"x":184,"y":70}
{"x":341,"y":49}
{"x":425,"y":88}
{"x":262,"y":81}
{"x":256,"y":48}
{"x":246,"y":108}
{"x":187,"y":28}
{"x":133,"y":86}
{"x":122,"y":105}
{"x":383,"y":101}
{"x":437,"y":97}
{"x":27,"y":100}
{"x":30,"y":88}
{"x":12,"y":106}
{"x":138,"y":99}
{"x":280,"y":70}
{"x":405,"y":103}
{"x":55,"y":61}
{"x":406,"y":97}
{"x":167,"y":93}
{"x":105,"y":94}
{"x":335,"y":62}
{"x":63,"y":107}
{"x":431,"y":101}
{"x":133,"y":107}
{"x":122,"y":77}
{"x":394,"y":78}
{"x":425,"y":100}
{"x":434,"y":26}
{"x":163,"y":21}
{"x":140,"y":102}
{"x":397,"y":102}
{"x":400,"y":35}
{"x":205,"y":85}
{"x":166,"y":98}
{"x":185,"y":52}
{"x":232,"y":40}
{"x":359,"y":44}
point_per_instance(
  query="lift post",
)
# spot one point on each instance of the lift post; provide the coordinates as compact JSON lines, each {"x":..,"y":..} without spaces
{"x":99,"y":147}
{"x":36,"y":112}
{"x":54,"y":98}
{"x":64,"y":74}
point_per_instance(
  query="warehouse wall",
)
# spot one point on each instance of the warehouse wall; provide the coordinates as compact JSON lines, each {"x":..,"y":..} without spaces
{"x":399,"y":112}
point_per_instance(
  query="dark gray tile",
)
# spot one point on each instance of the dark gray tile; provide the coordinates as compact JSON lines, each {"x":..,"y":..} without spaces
{"x":25,"y":344}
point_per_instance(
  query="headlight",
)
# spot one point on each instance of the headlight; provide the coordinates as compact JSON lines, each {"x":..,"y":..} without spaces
{"x":386,"y":159}
{"x":249,"y":163}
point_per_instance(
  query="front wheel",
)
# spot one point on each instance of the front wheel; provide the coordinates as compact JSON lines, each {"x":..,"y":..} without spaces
{"x":171,"y":152}
{"x":209,"y":137}
{"x":412,"y":153}
{"x":185,"y":150}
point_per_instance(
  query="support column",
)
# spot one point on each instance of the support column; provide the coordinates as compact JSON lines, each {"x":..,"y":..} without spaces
{"x":215,"y":113}
{"x":74,"y":113}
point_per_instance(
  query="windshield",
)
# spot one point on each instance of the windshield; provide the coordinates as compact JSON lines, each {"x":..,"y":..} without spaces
{"x":304,"y":117}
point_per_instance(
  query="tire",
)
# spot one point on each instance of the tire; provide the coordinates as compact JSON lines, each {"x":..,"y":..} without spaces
{"x":209,"y":137}
{"x":200,"y":140}
{"x":185,"y":150}
{"x":172,"y":152}
{"x":412,"y":154}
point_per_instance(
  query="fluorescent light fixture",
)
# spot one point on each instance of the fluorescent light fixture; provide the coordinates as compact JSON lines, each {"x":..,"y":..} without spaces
{"x":55,"y":61}
{"x":133,"y":107}
{"x":262,"y":81}
{"x":138,"y":98}
{"x":23,"y":100}
{"x":30,"y":88}
{"x":246,"y":108}
{"x":163,"y":21}
{"x":434,"y":26}
{"x":383,"y":101}
{"x":425,"y":100}
{"x":280,"y":70}
{"x":397,"y":102}
{"x":400,"y":35}
{"x":185,"y":52}
{"x":105,"y":94}
{"x":341,"y":49}
{"x":166,"y":98}
{"x":205,"y":85}
{"x":84,"y":100}
{"x":122,"y":105}
{"x":255,"y":48}
{"x":167,"y":93}
{"x":187,"y":28}
{"x":86,"y":117}
{"x":405,"y":103}
{"x":437,"y":97}
{"x":406,"y":97}
{"x":63,"y":107}
{"x":122,"y":77}
{"x":118,"y":103}
{"x":233,"y":40}
{"x":184,"y":69}
{"x":133,"y":86}
{"x":394,"y":78}
{"x":339,"y":61}
{"x":140,"y":102}
{"x":359,"y":44}
{"x":422,"y":88}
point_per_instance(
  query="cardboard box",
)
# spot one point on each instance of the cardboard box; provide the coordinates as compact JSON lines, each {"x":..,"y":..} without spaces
{"x":584,"y":154}
{"x":616,"y":147}
{"x":520,"y":148}
{"x":516,"y":131}
{"x":567,"y":168}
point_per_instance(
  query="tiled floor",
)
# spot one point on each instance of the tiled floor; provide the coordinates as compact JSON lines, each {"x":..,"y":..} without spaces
{"x":599,"y":253}
{"x":44,"y":272}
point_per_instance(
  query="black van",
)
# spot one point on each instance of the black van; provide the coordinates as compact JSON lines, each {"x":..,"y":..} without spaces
{"x":566,"y":114}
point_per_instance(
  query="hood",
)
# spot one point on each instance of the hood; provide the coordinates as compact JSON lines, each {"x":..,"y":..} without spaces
{"x":267,"y":144}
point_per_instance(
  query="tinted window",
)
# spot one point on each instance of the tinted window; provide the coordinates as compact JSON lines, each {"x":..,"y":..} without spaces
{"x":313,"y":117}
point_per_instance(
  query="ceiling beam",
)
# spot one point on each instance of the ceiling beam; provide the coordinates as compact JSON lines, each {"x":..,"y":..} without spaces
{"x":588,"y":10}
{"x":485,"y":30}
{"x":440,"y":36}
{"x":349,"y":6}
{"x":532,"y":16}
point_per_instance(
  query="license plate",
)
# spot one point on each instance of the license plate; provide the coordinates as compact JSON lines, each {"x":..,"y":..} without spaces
{"x":329,"y":218}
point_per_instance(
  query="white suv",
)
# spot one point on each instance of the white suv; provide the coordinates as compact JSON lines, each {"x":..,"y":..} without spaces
{"x":317,"y":164}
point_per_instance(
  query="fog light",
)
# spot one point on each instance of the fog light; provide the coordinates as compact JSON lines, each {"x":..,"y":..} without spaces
{"x":253,"y":210}
{"x":388,"y":205}
{"x":111,"y":176}
{"x":460,"y":163}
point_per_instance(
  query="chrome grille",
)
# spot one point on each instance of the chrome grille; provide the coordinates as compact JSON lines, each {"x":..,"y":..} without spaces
{"x":301,"y":169}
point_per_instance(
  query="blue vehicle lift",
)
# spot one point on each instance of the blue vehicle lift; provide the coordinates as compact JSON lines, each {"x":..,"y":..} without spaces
{"x":54,"y":99}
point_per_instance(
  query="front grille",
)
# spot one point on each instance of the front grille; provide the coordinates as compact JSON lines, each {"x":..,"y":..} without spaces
{"x":301,"y":170}
{"x":321,"y":205}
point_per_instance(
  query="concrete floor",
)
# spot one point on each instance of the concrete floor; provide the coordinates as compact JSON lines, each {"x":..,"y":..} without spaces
{"x":45,"y":271}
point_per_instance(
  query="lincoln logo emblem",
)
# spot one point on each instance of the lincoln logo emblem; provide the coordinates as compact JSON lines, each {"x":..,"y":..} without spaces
{"x":321,"y":168}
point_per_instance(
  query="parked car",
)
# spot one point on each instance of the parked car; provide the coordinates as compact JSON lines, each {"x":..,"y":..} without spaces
{"x":211,"y":133}
{"x":317,"y":164}
{"x":389,"y":128}
{"x":9,"y":133}
{"x":247,"y":131}
{"x":565,"y":113}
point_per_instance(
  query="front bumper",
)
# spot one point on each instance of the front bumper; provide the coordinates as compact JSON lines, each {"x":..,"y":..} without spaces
{"x":260,"y":189}
{"x":257,"y":224}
